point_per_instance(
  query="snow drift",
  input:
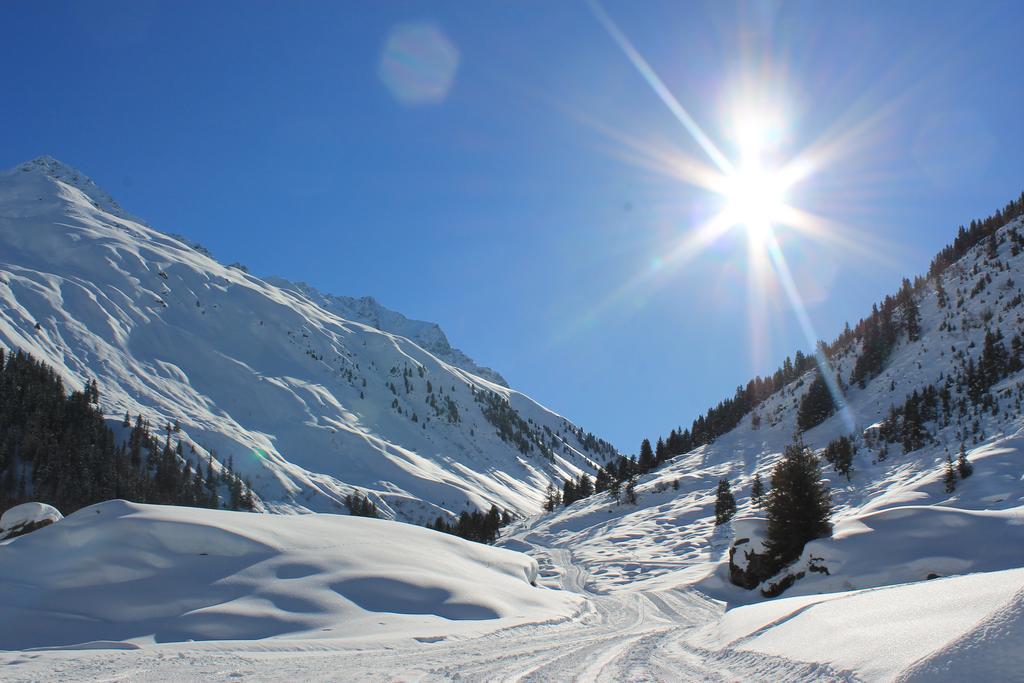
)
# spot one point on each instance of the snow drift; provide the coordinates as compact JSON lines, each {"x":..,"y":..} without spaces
{"x":26,"y":518}
{"x":124,"y":572}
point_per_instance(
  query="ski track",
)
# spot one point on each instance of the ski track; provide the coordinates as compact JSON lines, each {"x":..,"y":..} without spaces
{"x":623,"y":636}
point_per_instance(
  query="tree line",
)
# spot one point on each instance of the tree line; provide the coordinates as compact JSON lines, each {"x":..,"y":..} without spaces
{"x":878,"y":331}
{"x":57,"y":448}
{"x":481,"y":527}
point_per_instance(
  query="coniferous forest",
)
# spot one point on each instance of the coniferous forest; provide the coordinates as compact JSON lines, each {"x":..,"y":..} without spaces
{"x":57,"y":448}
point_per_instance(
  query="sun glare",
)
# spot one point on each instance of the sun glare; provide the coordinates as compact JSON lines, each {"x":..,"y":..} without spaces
{"x":755,"y":194}
{"x":754,"y":188}
{"x":754,"y":199}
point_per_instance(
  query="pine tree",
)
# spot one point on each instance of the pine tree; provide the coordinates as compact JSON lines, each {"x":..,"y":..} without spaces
{"x":950,"y":478}
{"x":660,"y":451}
{"x":615,"y":488}
{"x":647,"y":462}
{"x":725,"y":502}
{"x":798,"y":506}
{"x":908,"y":307}
{"x":552,"y":498}
{"x":757,"y":491}
{"x":585,"y":488}
{"x":816,"y":405}
{"x":569,"y":493}
{"x":631,"y":498}
{"x":840,"y":454}
{"x":963,"y":466}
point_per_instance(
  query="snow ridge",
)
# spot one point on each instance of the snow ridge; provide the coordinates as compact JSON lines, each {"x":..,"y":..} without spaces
{"x":369,"y":311}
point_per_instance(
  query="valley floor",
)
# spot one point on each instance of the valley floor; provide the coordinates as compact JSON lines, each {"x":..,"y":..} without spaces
{"x":623,"y":636}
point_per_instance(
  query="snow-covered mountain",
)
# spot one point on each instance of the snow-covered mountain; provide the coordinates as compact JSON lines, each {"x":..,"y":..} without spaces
{"x":310,"y":396}
{"x":369,"y":311}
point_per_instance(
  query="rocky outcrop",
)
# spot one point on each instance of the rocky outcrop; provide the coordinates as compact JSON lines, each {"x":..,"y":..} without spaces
{"x":26,"y":518}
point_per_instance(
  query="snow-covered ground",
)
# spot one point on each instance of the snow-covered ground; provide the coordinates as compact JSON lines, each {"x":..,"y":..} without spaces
{"x":328,"y":597}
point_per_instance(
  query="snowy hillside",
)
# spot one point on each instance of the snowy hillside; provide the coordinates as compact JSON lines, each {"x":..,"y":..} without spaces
{"x":306,"y":403}
{"x":678,"y":524}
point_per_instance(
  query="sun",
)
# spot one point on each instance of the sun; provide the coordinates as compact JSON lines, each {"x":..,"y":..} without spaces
{"x":755,"y":198}
{"x":754,"y":193}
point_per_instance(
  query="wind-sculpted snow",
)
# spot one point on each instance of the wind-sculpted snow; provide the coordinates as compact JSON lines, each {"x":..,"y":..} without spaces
{"x":123,"y":572}
{"x":309,"y":405}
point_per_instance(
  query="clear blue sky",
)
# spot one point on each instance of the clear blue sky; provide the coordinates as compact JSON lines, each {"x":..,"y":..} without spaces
{"x":512,"y":202}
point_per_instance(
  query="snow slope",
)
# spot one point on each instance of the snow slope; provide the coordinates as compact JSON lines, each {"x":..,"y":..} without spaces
{"x":672,"y":531}
{"x":369,"y":311}
{"x":308,"y":404}
{"x":948,"y":629}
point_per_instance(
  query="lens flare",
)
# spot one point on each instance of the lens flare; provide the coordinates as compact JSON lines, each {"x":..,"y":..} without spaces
{"x":418,"y":64}
{"x":755,"y":195}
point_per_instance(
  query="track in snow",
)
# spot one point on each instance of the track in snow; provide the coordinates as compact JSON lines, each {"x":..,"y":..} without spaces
{"x":626,"y":636}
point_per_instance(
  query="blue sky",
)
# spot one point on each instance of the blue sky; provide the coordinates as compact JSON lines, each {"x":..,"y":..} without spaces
{"x":491,"y":170}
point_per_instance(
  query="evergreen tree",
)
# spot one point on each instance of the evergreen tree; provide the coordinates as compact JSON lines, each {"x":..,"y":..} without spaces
{"x":552,"y":498}
{"x":816,"y":405}
{"x":908,"y":309}
{"x":647,"y":462}
{"x":757,"y":491}
{"x":615,"y":489}
{"x":569,"y":493}
{"x":963,"y":466}
{"x":360,"y":505}
{"x":798,"y":506}
{"x":58,"y":449}
{"x":950,"y":478}
{"x":840,"y":454}
{"x":725,"y":502}
{"x":631,"y":498}
{"x":585,"y":488}
{"x":660,"y":451}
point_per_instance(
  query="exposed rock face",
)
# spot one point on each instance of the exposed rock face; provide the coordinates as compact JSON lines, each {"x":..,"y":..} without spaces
{"x":26,"y":518}
{"x":751,"y":568}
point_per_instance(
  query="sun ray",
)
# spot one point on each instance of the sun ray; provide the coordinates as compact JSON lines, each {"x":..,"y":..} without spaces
{"x":659,"y":87}
{"x":757,"y":191}
{"x":687,"y":248}
{"x":804,"y":320}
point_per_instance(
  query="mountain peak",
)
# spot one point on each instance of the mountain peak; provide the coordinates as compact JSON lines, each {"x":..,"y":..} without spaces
{"x":55,"y":169}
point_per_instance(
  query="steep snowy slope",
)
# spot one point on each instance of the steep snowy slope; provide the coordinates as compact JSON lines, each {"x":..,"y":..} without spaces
{"x":673,"y":529}
{"x":368,"y":311}
{"x":306,"y":403}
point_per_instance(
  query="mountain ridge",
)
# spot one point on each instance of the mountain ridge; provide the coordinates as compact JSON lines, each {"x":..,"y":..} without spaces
{"x":311,"y":406}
